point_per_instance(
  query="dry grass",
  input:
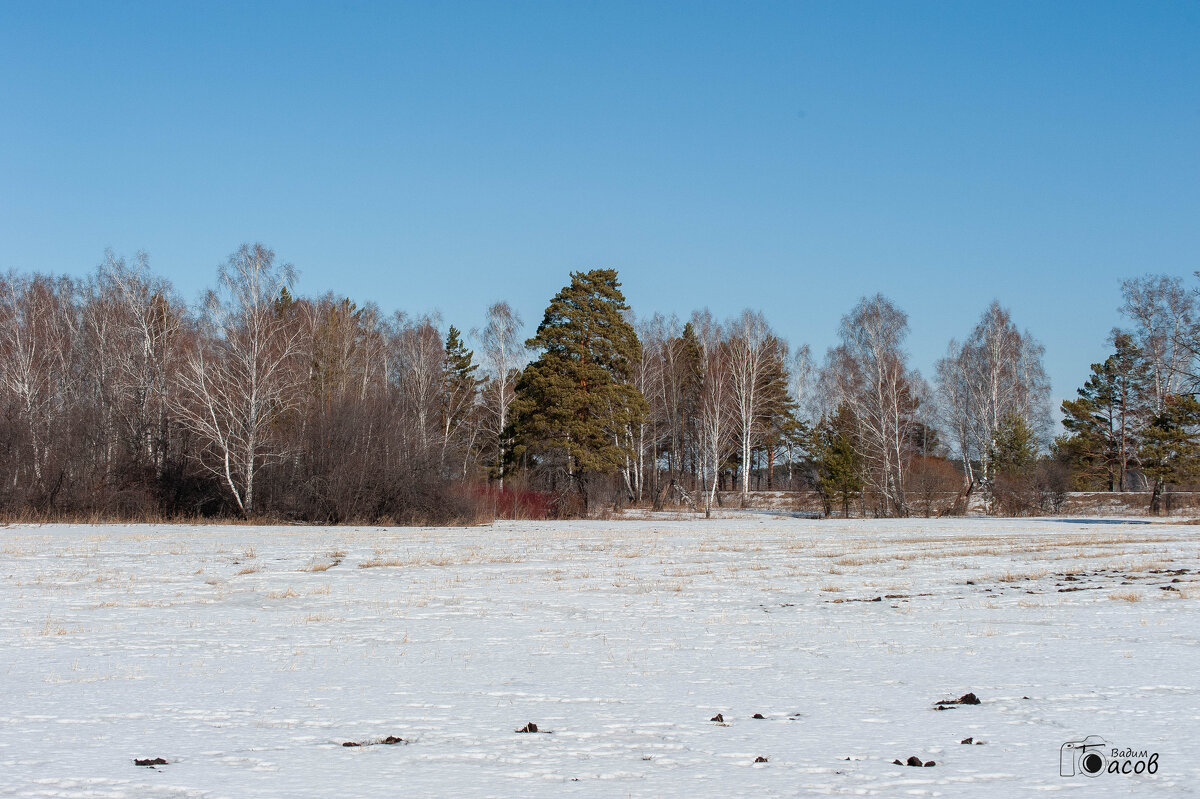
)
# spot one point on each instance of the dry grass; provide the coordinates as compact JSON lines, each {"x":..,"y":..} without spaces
{"x":1126,"y":596}
{"x":285,"y":594}
{"x":376,"y":563}
{"x":1016,"y":577}
{"x":53,"y":627}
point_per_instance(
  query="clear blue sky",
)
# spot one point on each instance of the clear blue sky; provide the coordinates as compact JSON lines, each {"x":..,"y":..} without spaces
{"x":789,"y":157}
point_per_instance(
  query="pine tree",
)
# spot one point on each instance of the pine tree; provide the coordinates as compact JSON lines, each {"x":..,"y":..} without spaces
{"x":778,"y":408}
{"x":840,"y":467}
{"x":574,"y":407}
{"x":1106,"y":421}
{"x":1170,"y":452}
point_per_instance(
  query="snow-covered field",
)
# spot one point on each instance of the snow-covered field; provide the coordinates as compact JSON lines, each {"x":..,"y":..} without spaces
{"x":246,"y":656}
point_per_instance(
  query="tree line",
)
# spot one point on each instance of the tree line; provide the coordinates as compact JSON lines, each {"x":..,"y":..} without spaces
{"x":118,"y":400}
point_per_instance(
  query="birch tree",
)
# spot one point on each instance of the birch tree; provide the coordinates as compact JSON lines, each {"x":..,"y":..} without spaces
{"x":1164,"y":317}
{"x":240,"y":380}
{"x":749,"y":351}
{"x":867,"y":373}
{"x":997,"y":372}
{"x":719,"y":411}
{"x":503,"y":358}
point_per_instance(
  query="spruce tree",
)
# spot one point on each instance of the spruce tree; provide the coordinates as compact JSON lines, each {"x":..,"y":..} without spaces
{"x":574,"y":407}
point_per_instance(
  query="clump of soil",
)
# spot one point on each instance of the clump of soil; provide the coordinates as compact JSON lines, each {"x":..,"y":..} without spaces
{"x":151,"y":761}
{"x":390,"y":740}
{"x":531,"y":727}
{"x":718,"y":718}
{"x":965,"y":699}
{"x":916,"y":762}
{"x":760,"y":759}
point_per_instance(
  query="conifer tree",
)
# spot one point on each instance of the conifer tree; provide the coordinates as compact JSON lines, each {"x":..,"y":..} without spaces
{"x":840,"y":467}
{"x":459,"y":389}
{"x":574,"y":408}
{"x":1170,"y":453}
{"x":689,"y":366}
{"x":779,"y":422}
{"x":1106,"y":420}
{"x":1014,"y":446}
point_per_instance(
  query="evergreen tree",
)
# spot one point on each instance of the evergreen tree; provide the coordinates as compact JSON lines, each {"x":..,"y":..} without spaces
{"x":574,"y":407}
{"x":779,"y":420}
{"x":840,"y":467}
{"x":690,"y":364}
{"x":1014,"y":448}
{"x":1170,"y":451}
{"x":459,"y":390}
{"x":1104,"y":424}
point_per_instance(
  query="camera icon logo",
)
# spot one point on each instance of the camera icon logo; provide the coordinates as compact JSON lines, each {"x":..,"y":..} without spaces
{"x":1082,"y":757}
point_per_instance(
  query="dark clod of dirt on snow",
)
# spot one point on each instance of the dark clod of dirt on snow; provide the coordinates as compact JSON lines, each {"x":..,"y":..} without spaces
{"x":758,"y":716}
{"x":965,"y":699}
{"x":152,"y":761}
{"x":718,"y":718}
{"x":760,"y":759}
{"x":967,"y":741}
{"x":915,"y":762}
{"x":390,"y":740}
{"x":531,"y":727}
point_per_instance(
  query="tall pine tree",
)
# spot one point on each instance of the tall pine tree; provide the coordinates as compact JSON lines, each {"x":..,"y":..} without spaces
{"x":1105,"y":423}
{"x":575,"y":408}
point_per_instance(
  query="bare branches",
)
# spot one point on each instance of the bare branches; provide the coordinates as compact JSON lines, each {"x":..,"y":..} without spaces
{"x":995,"y":374}
{"x":241,"y":377}
{"x":868,"y":374}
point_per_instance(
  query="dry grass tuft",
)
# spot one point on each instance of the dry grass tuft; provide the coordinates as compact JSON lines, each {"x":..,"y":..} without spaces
{"x":1126,"y":596}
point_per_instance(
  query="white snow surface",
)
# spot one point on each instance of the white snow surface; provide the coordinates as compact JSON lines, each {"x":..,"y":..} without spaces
{"x":246,"y":656}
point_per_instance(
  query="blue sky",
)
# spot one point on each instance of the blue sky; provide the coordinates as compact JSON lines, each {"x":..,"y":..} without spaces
{"x":787,"y":157}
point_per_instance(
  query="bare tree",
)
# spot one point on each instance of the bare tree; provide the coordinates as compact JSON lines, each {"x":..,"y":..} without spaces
{"x":648,"y":377}
{"x":800,"y":378}
{"x":239,"y":380}
{"x":503,"y":356}
{"x":718,"y":412}
{"x":148,"y":322}
{"x":38,"y":326}
{"x":1164,"y":314}
{"x":750,"y":341}
{"x":416,"y":363}
{"x":867,"y":373}
{"x":996,"y":373}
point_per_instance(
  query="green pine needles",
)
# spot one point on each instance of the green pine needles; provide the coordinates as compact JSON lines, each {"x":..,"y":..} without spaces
{"x":575,"y":410}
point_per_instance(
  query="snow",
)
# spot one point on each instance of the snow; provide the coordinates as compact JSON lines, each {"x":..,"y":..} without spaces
{"x":246,"y":656}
